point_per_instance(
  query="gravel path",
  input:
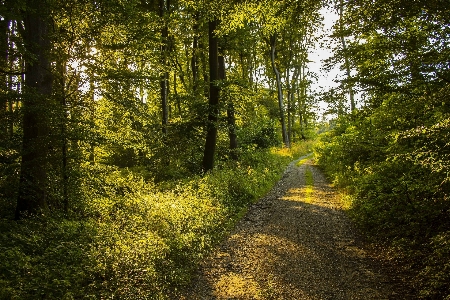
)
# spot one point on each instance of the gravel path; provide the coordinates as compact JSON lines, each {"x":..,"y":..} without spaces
{"x":295,"y":243}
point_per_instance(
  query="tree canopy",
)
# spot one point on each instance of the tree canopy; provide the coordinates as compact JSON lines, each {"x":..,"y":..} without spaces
{"x":391,"y":152}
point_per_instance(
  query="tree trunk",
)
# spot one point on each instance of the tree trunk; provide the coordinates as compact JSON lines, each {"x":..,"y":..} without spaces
{"x":280,"y":92}
{"x":231,"y":120}
{"x":32,"y":196}
{"x":10,"y":79}
{"x":294,"y":89}
{"x":301,"y":96}
{"x":92,"y":103}
{"x":346,"y":60}
{"x":194,"y":59}
{"x":164,"y":77}
{"x":289,"y":103}
{"x":61,"y":67}
{"x":211,"y":127}
{"x":4,"y":47}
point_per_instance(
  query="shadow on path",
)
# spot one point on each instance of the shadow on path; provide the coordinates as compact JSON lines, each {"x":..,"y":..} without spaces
{"x":293,"y":244}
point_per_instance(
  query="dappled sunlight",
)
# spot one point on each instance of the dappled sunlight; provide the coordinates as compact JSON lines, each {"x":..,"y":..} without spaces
{"x":295,"y":244}
{"x":236,"y":286}
{"x":299,"y":195}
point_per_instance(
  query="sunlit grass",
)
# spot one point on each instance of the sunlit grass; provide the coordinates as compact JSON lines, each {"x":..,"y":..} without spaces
{"x":295,"y":151}
{"x":309,"y":185}
{"x":304,"y":160}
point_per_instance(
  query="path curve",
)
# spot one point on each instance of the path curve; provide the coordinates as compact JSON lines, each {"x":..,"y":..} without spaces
{"x":295,"y":243}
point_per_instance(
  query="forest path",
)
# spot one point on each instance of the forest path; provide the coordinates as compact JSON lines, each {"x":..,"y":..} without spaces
{"x":295,"y":243}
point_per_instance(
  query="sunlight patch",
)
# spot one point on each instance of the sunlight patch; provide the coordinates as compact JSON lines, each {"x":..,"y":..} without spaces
{"x":233,"y":286}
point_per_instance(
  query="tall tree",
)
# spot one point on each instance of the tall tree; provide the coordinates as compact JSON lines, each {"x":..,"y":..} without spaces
{"x":272,"y":42}
{"x":231,"y":119}
{"x":164,"y":9}
{"x":32,"y":195}
{"x":349,"y":84}
{"x":4,"y":45}
{"x":213,"y":103}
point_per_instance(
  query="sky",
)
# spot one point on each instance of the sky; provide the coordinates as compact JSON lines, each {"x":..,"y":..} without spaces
{"x":317,"y":55}
{"x":321,"y":52}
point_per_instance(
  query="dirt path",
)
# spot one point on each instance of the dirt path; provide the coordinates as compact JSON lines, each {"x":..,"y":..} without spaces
{"x":296,"y":243}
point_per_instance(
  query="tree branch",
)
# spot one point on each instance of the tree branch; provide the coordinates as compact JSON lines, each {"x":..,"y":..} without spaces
{"x":11,"y":73}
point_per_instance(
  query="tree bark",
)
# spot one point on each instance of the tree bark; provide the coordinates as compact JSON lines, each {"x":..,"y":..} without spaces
{"x":346,"y":60}
{"x":301,"y":96}
{"x":4,"y":47}
{"x":61,"y":67}
{"x":164,"y":77}
{"x":211,"y":127}
{"x":289,"y":103}
{"x":32,"y":197}
{"x":280,"y":92}
{"x":231,"y":120}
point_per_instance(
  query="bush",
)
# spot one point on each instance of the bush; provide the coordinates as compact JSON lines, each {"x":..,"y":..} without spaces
{"x":393,"y":161}
{"x":127,"y":238}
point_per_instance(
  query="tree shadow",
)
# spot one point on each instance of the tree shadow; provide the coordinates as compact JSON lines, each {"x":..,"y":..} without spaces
{"x":306,"y":248}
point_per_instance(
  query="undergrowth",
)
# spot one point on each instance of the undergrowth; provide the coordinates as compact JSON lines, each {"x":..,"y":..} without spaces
{"x":127,"y":238}
{"x":396,"y":187}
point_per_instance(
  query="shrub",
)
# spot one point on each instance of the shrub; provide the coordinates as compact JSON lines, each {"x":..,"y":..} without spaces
{"x":127,"y":238}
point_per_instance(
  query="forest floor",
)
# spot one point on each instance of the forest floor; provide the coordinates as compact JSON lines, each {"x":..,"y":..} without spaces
{"x":296,"y":243}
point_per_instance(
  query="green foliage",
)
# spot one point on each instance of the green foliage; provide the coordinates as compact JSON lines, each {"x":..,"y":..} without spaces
{"x":261,"y":134}
{"x":393,"y":160}
{"x":126,"y":214}
{"x":128,"y":238}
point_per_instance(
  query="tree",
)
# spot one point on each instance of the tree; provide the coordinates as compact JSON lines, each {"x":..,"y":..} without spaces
{"x":37,"y":100}
{"x":164,"y":8}
{"x":390,"y":152}
{"x":213,"y":108}
{"x":272,"y":42}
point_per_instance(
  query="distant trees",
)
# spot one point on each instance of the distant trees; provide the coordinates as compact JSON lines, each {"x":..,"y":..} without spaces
{"x":171,"y":86}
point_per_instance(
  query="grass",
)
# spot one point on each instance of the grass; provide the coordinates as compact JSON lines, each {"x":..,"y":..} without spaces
{"x":304,"y":160}
{"x":309,"y":182}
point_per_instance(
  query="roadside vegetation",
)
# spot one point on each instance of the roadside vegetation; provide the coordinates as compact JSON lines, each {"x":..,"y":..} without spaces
{"x":131,"y":238}
{"x":391,"y":153}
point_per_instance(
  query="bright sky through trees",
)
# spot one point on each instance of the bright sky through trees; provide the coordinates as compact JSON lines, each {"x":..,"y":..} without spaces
{"x":322,"y":51}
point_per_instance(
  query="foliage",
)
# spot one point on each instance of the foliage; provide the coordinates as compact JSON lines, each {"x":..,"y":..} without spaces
{"x":128,"y":238}
{"x":109,"y":145}
{"x":394,"y":163}
{"x":391,"y":156}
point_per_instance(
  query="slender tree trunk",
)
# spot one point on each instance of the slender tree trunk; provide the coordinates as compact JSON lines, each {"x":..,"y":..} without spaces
{"x":4,"y":49}
{"x":346,"y":60}
{"x":10,"y":84}
{"x":194,"y":59}
{"x":289,"y":104}
{"x":63,"y":103}
{"x":175,"y":92}
{"x":302,"y":101}
{"x":32,"y":196}
{"x":92,"y":116}
{"x":280,"y":92}
{"x":294,"y":89}
{"x":231,"y":120}
{"x":164,"y":77}
{"x":211,"y":128}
